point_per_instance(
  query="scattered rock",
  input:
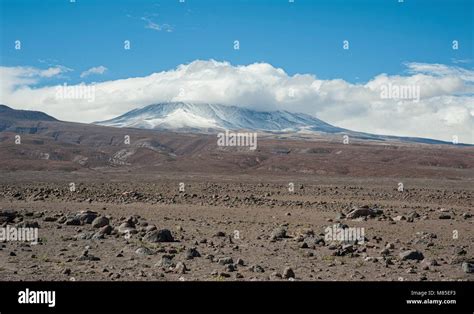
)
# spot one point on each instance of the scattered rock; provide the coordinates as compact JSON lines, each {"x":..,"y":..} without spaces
{"x":28,"y":224}
{"x":314,"y":240}
{"x":304,"y":245}
{"x":155,"y":236}
{"x":86,"y":216}
{"x":411,"y":270}
{"x":72,"y":221}
{"x":468,"y":267}
{"x":105,"y":230}
{"x":444,"y":216}
{"x":433,"y":262}
{"x":181,"y":268}
{"x":7,"y":216}
{"x":83,"y":217}
{"x":100,"y":222}
{"x":192,"y":253}
{"x":412,"y":216}
{"x":257,"y":269}
{"x":87,"y":257}
{"x":143,"y":251}
{"x":166,"y":261}
{"x":344,"y":250}
{"x":230,"y":268}
{"x":226,"y":260}
{"x":411,"y":255}
{"x":364,"y":211}
{"x":126,"y":227}
{"x":288,"y":273}
{"x":459,"y":251}
{"x":224,"y":275}
{"x":278,"y":233}
{"x":340,"y":216}
{"x":132,"y":220}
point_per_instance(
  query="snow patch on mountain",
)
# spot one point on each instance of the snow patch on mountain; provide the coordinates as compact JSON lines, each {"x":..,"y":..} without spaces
{"x":179,"y":115}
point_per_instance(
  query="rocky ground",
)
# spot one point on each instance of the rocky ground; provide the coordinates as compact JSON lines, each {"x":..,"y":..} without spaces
{"x":235,"y":228}
{"x":132,"y":204}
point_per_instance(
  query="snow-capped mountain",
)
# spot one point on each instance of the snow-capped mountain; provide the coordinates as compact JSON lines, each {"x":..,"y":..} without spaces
{"x":179,"y":115}
{"x":199,"y":118}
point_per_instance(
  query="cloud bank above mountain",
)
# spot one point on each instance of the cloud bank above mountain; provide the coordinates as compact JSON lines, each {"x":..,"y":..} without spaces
{"x":429,"y":100}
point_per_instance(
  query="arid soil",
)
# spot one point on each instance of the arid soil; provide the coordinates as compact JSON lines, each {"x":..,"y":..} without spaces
{"x":175,"y":206}
{"x":234,"y":227}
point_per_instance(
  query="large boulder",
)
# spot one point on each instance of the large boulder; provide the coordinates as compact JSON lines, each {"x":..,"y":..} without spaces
{"x":163,"y":235}
{"x":100,"y":222}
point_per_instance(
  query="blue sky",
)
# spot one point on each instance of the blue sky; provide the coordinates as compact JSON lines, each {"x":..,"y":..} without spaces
{"x":300,"y":37}
{"x":291,"y":57}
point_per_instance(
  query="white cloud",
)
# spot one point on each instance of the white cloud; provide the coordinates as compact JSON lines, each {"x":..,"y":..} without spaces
{"x":95,"y":70}
{"x":28,"y":75}
{"x":19,"y":78}
{"x":157,"y":27}
{"x":445,"y":107}
{"x":436,"y":69}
